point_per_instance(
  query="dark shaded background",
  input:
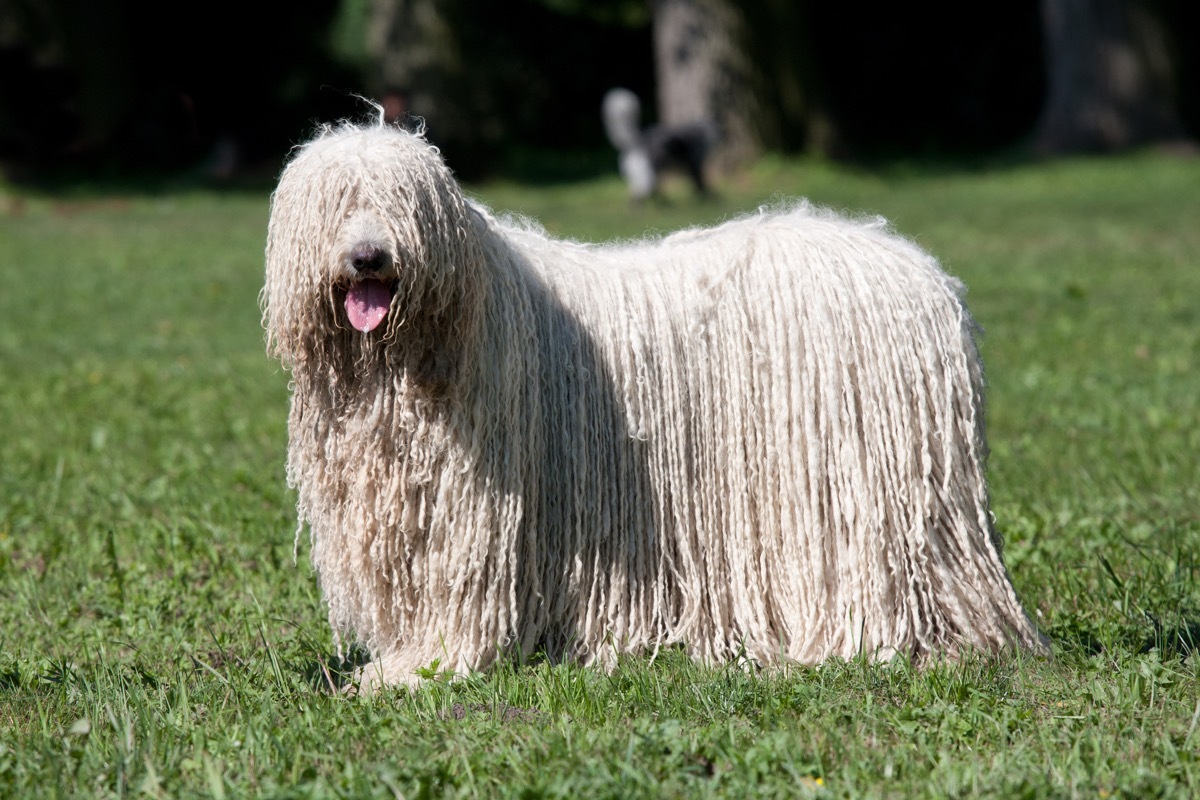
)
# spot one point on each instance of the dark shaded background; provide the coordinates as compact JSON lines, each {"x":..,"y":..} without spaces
{"x":222,"y":89}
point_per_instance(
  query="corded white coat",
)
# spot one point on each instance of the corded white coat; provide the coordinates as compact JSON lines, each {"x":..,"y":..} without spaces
{"x":760,"y":440}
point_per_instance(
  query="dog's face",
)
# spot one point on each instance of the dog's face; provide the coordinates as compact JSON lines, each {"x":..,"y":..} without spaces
{"x":370,"y":253}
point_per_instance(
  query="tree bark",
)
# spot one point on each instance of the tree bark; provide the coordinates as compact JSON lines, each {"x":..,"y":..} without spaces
{"x":704,"y":73}
{"x":416,"y":50}
{"x":746,"y":66}
{"x":1110,"y":78}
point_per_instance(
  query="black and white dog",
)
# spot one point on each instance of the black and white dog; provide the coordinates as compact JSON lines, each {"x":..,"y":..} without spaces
{"x":644,"y":153}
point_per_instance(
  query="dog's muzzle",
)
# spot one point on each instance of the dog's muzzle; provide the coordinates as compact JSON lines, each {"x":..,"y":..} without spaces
{"x":368,"y":298}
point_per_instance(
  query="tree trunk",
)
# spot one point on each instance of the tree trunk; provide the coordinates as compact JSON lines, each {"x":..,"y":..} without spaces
{"x":416,"y":50}
{"x":424,"y":55}
{"x":746,"y":66}
{"x":1110,"y":78}
{"x":704,"y":73}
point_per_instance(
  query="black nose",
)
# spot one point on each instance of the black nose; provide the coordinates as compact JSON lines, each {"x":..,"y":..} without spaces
{"x":369,"y":258}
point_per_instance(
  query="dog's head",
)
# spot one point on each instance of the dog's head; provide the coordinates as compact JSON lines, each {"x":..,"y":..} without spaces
{"x":371,"y":255}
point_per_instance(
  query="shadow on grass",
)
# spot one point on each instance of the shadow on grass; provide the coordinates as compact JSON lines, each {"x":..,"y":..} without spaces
{"x":520,"y":165}
{"x":332,"y":674}
{"x":1175,"y":640}
{"x":95,"y":182}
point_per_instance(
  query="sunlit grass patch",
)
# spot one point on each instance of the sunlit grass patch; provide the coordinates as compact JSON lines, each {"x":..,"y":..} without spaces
{"x":157,"y":638}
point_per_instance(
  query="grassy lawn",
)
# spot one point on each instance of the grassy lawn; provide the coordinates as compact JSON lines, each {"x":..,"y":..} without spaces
{"x":161,"y":635}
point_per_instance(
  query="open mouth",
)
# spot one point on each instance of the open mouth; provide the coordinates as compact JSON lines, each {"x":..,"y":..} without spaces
{"x":367,"y":303}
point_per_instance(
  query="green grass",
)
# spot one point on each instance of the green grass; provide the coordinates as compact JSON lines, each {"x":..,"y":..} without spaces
{"x":157,"y":638}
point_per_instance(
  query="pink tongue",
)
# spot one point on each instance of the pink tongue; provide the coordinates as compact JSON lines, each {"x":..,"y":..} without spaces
{"x":367,"y":304}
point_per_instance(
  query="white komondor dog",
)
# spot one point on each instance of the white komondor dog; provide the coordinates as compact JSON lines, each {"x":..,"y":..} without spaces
{"x":762,"y":440}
